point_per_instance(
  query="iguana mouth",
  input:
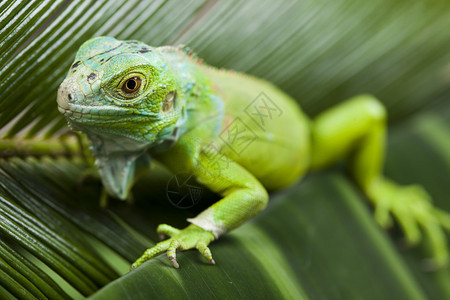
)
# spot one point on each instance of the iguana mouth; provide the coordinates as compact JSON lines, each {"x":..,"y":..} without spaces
{"x":76,"y":111}
{"x":105,"y":120}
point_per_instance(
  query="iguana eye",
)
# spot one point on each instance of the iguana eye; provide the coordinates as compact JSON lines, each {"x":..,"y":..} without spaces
{"x":128,"y":86}
{"x":131,"y":85}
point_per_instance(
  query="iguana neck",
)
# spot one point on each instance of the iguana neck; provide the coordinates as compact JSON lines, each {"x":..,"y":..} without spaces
{"x":196,"y":93}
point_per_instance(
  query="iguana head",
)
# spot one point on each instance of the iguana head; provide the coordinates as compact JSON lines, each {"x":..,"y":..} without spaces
{"x":120,"y":89}
{"x":124,"y":96}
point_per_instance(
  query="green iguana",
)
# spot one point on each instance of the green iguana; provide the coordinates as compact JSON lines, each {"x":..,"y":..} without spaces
{"x":240,"y":136}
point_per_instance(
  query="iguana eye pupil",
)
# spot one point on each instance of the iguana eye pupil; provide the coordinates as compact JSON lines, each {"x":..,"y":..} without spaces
{"x":131,"y":85}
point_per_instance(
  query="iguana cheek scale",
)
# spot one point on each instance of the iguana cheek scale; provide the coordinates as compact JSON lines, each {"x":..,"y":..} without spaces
{"x":238,"y":135}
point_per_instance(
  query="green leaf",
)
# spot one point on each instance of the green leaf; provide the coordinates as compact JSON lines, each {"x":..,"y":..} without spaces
{"x":315,"y":240}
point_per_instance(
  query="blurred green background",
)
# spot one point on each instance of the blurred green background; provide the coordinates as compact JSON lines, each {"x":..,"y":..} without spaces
{"x":316,"y":240}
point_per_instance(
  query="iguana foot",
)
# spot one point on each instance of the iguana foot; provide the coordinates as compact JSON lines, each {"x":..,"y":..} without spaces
{"x":411,"y":206}
{"x":184,"y":239}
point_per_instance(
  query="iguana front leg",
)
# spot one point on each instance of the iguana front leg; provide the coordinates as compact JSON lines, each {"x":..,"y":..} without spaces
{"x":243,"y":197}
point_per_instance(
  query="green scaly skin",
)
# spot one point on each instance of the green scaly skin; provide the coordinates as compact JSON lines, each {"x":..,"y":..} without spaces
{"x":238,"y":135}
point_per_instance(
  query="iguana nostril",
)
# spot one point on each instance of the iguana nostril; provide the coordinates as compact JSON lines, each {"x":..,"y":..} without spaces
{"x":62,"y":97}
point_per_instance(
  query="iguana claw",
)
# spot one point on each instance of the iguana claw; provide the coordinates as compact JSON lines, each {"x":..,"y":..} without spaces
{"x":188,"y":238}
{"x":411,"y":206}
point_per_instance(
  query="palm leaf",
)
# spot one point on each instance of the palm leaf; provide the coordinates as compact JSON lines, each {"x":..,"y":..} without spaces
{"x":315,"y":240}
